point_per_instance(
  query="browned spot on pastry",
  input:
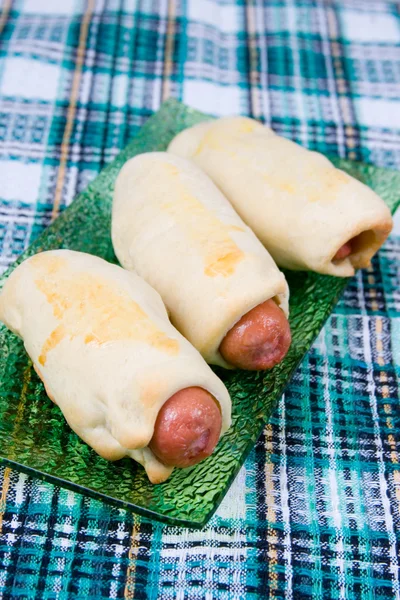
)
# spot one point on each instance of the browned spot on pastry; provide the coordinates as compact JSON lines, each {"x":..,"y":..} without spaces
{"x":224,"y":265}
{"x":88,"y":307}
{"x":326,"y":185}
{"x":56,"y":336}
{"x":214,"y":137}
{"x":151,"y":391}
{"x":211,"y":235}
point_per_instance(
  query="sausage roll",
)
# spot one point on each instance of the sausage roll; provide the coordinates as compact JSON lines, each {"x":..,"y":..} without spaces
{"x":224,"y":292}
{"x":126,"y":381}
{"x":308,"y":214}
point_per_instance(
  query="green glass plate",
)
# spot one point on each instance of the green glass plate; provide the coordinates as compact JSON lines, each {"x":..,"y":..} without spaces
{"x":33,"y":434}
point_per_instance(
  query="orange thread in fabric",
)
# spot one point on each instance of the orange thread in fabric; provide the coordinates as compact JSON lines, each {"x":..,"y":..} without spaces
{"x":80,"y":55}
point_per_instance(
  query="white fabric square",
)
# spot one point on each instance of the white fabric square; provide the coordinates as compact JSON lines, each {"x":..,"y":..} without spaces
{"x":395,"y":328}
{"x":212,"y":98}
{"x":131,"y":6}
{"x":20,"y":181}
{"x":224,"y":17}
{"x":110,"y":6}
{"x":120,"y":90}
{"x":291,"y":14}
{"x":377,"y":112}
{"x":100,"y":88}
{"x":28,"y":78}
{"x":233,"y":506}
{"x":370,"y":27}
{"x":19,"y":489}
{"x":55,"y":7}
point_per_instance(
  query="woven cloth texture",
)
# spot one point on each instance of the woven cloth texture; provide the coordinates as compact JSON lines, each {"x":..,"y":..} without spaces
{"x":314,"y":513}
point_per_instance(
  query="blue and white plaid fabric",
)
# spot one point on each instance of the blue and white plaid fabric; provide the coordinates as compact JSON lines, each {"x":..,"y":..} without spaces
{"x":315,"y":512}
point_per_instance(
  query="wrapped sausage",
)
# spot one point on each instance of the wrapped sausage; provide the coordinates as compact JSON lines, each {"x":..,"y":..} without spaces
{"x":224,"y":292}
{"x":126,"y":381}
{"x":308,"y":214}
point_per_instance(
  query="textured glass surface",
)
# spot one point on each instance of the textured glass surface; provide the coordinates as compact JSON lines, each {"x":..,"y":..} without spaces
{"x":34,"y":436}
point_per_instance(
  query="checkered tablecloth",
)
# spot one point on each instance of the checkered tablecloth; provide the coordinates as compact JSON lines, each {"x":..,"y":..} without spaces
{"x":314,"y":513}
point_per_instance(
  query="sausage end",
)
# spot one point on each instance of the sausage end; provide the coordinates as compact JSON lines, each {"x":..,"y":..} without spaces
{"x":260,"y":340}
{"x":187,"y":429}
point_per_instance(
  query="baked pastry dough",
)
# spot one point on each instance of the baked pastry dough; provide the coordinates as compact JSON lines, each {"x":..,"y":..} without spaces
{"x":298,"y":204}
{"x":173,"y":226}
{"x":100,"y":339}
